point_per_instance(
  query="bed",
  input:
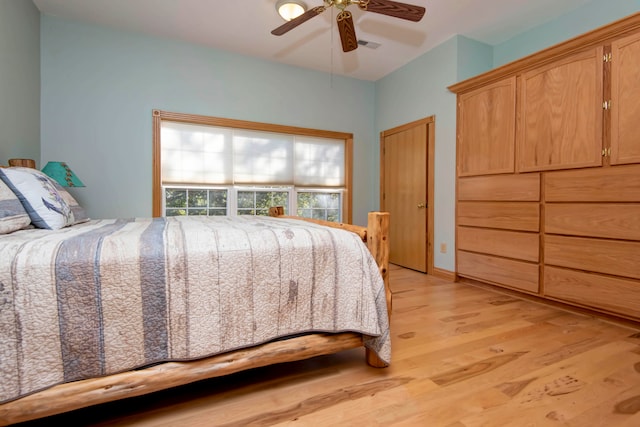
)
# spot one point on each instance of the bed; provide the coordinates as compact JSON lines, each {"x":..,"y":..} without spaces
{"x":101,"y":310}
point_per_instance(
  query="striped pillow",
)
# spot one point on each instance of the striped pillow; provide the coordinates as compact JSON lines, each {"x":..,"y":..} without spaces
{"x":13,"y":217}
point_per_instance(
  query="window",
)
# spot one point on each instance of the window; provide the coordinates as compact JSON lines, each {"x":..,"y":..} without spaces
{"x":209,"y":166}
{"x":195,"y":201}
{"x":258,"y":202}
{"x":319,"y":205}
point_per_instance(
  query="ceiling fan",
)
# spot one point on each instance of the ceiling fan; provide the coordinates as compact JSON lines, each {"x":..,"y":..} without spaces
{"x":345,"y":19}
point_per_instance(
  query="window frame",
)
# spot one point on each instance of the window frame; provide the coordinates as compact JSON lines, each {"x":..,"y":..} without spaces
{"x":160,"y":115}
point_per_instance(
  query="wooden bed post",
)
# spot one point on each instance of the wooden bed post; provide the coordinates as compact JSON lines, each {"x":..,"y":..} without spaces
{"x":378,"y":244}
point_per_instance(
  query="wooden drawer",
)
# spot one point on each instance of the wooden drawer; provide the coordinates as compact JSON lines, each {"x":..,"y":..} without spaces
{"x":615,"y":257}
{"x":618,"y":296}
{"x":522,"y":216}
{"x":613,"y":184}
{"x":613,"y":221}
{"x":501,"y":271}
{"x":510,"y":244}
{"x":521,"y":187}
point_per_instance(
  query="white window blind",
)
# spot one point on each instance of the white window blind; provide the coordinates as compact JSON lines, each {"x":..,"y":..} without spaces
{"x":262,"y":158}
{"x":319,"y":162}
{"x":201,"y":154}
{"x":196,"y":154}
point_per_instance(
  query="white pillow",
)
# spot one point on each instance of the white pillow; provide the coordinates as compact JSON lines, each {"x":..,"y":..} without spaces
{"x":79,"y":214}
{"x":13,"y":217}
{"x":38,"y":194}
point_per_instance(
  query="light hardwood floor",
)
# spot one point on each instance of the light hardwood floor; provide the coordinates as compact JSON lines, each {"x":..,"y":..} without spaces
{"x":463,"y":356}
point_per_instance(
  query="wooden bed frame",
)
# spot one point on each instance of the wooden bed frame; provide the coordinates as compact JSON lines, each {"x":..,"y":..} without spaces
{"x":79,"y":394}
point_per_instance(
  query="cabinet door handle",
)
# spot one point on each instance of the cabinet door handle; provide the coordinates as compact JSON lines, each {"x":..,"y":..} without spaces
{"x":422,"y":205}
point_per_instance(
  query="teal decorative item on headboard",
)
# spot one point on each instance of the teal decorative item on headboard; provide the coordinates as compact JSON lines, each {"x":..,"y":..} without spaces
{"x":62,"y":174}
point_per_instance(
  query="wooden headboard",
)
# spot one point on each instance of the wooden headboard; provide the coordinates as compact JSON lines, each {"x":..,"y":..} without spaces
{"x":28,"y":163}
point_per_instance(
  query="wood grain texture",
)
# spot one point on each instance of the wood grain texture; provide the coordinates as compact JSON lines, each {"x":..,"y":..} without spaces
{"x":625,"y":92}
{"x":347,"y":31}
{"x":614,"y":184}
{"x":486,"y":129}
{"x":586,"y":154}
{"x":477,"y":368}
{"x":610,"y":220}
{"x":405,"y":156}
{"x":515,"y":188}
{"x":27,"y":163}
{"x":396,"y":9}
{"x":290,"y":25}
{"x":571,"y":370}
{"x":516,"y":274}
{"x":378,"y":245}
{"x":560,"y":111}
{"x":522,"y":216}
{"x":387,"y":173}
{"x":615,"y":257}
{"x":80,"y":394}
{"x":615,"y":295}
{"x":509,"y":244}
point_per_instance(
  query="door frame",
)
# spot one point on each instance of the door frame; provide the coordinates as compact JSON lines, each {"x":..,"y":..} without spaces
{"x":431,"y":144}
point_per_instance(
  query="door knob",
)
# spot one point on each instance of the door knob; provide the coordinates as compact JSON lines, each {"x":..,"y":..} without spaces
{"x":421,"y":205}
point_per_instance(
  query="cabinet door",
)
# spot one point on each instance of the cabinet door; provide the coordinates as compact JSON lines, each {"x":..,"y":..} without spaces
{"x":625,"y":96}
{"x":486,"y":132}
{"x":560,"y":123}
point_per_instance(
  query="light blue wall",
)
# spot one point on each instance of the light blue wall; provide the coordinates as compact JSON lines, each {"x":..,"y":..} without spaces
{"x":592,"y":15}
{"x":419,"y":89}
{"x":99,"y":87}
{"x":474,"y":57}
{"x":416,"y":91}
{"x":19,"y":80}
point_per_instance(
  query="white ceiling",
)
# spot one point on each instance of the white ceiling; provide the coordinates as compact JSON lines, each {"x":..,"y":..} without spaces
{"x":244,"y":26}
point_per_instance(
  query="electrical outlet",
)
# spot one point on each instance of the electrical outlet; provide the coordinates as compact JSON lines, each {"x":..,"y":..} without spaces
{"x":443,"y":248}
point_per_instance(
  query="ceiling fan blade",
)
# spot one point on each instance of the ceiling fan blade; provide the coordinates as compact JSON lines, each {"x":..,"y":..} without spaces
{"x":393,"y":8}
{"x":347,"y":31}
{"x":290,"y":25}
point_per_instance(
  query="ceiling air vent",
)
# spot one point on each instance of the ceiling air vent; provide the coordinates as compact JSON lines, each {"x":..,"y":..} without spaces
{"x":370,"y":45}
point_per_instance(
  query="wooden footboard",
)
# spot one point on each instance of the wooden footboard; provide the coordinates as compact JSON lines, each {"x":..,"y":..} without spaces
{"x":80,"y":394}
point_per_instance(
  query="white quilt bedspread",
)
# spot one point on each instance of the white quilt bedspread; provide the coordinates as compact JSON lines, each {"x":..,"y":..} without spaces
{"x":108,"y":296}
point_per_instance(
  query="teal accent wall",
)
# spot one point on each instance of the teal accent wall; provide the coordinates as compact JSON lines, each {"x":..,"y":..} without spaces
{"x":19,"y":80}
{"x":592,"y":15}
{"x":99,"y":87}
{"x":474,"y":57}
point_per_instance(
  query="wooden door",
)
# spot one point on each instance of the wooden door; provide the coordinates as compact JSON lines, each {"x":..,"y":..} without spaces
{"x":407,"y":193}
{"x":486,"y":137}
{"x":625,"y":92}
{"x":561,"y":114}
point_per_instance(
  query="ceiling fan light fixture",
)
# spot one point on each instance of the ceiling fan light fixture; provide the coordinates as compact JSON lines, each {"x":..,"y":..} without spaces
{"x":290,"y":9}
